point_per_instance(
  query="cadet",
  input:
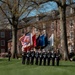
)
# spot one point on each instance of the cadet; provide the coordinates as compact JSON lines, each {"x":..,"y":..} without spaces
{"x":44,"y":57}
{"x":32,"y":56}
{"x":57,"y":57}
{"x":36,"y":57}
{"x":23,"y":57}
{"x":28,"y":57}
{"x":53,"y":58}
{"x":48,"y":57}
{"x":40,"y":57}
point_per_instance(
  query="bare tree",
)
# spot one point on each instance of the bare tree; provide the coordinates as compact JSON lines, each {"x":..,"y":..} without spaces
{"x":14,"y":10}
{"x":62,"y":4}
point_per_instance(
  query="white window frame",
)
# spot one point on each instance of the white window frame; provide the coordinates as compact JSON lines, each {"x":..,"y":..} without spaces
{"x":2,"y":42}
{"x":2,"y":34}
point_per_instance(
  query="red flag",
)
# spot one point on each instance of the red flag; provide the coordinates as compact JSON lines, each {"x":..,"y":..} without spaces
{"x":34,"y":40}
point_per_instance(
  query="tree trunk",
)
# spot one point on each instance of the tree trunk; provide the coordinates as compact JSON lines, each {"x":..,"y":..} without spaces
{"x":74,"y":40}
{"x":63,"y":31}
{"x":14,"y":41}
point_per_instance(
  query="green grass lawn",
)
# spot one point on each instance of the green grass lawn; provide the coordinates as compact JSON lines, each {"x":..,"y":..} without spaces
{"x":14,"y":67}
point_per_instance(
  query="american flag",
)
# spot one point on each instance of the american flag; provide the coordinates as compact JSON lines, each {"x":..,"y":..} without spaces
{"x":26,"y":40}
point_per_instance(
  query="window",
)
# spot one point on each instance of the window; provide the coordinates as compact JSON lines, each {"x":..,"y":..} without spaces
{"x":52,"y":26}
{"x":2,"y":42}
{"x":71,"y":48}
{"x":71,"y":35}
{"x":44,"y":26}
{"x":2,"y":34}
{"x":71,"y":23}
{"x":71,"y":10}
{"x":2,"y":50}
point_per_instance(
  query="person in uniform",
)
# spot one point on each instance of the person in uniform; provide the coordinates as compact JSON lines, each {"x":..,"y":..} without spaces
{"x":32,"y":54}
{"x":28,"y":57}
{"x":57,"y":57}
{"x":40,"y":57}
{"x":9,"y":54}
{"x":48,"y":57}
{"x":44,"y":57}
{"x":53,"y":58}
{"x":36,"y":57}
{"x":23,"y":57}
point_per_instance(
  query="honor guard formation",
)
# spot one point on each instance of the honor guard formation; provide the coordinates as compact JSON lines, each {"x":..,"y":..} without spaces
{"x":41,"y":57}
{"x":36,"y":48}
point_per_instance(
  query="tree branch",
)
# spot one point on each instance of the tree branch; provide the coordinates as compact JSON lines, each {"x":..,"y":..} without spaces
{"x":21,"y":13}
{"x":6,"y":15}
{"x":9,"y":6}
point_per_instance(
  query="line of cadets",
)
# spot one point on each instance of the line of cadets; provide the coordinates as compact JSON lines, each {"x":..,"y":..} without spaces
{"x":41,"y":57}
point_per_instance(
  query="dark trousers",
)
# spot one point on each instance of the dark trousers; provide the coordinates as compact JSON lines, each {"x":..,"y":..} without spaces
{"x":40,"y":63}
{"x":53,"y":61}
{"x":44,"y":61}
{"x":57,"y":61}
{"x":36,"y":61}
{"x":23,"y":59}
{"x":9,"y":58}
{"x":32,"y":60}
{"x":28,"y":60}
{"x":48,"y":61}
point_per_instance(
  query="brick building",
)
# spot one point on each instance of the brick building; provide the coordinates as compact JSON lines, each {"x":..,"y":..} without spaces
{"x":51,"y":23}
{"x":5,"y":35}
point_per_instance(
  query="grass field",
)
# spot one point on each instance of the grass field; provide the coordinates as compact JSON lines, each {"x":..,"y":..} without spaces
{"x":14,"y":67}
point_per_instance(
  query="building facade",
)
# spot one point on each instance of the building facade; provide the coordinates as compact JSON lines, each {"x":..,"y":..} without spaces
{"x":5,"y":35}
{"x":48,"y":23}
{"x":53,"y":27}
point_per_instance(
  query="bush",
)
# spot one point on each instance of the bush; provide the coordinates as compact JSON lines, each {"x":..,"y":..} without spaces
{"x":4,"y":54}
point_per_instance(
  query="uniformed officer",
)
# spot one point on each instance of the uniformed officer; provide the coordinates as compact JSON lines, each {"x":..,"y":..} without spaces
{"x":44,"y":57}
{"x":23,"y":57}
{"x":57,"y":57}
{"x":53,"y":58}
{"x":40,"y":57}
{"x":32,"y":54}
{"x":48,"y":57}
{"x":28,"y":57}
{"x":36,"y":57}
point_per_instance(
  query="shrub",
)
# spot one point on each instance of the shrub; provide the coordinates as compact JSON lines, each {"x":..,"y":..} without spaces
{"x":4,"y":54}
